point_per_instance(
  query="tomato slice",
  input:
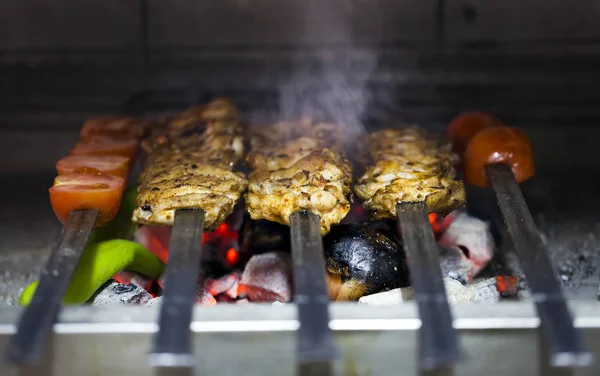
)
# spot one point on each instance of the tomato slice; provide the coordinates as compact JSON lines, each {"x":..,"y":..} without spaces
{"x":115,"y":127}
{"x":111,"y":164}
{"x":89,"y":189}
{"x":498,"y":145}
{"x":466,"y":125}
{"x":102,"y":145}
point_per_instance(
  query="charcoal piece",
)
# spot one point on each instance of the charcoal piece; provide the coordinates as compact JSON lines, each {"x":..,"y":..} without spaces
{"x":267,"y":278}
{"x":361,"y":261}
{"x":468,"y":246}
{"x":120,"y":294}
{"x":259,"y":236}
{"x":203,"y":297}
{"x":227,"y":285}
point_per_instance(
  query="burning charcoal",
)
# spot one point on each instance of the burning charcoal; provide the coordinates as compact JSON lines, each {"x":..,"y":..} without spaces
{"x":204,"y":298}
{"x":224,"y":298}
{"x":468,"y":246}
{"x":228,"y":284}
{"x":120,"y":294}
{"x":127,"y":277}
{"x":267,"y":277}
{"x":362,"y":261}
{"x":155,"y":239}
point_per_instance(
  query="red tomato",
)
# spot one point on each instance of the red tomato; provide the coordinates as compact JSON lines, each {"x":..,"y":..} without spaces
{"x":463,"y":127}
{"x":106,"y":146}
{"x":498,"y":145}
{"x":111,"y":164}
{"x":115,"y":127}
{"x":91,"y":189}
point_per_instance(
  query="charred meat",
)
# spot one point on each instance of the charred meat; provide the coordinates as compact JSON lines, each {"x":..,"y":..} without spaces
{"x":192,"y":166}
{"x":409,"y":165}
{"x":301,"y":173}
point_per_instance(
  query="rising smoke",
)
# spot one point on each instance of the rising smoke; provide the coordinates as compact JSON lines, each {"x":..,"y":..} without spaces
{"x":329,"y":84}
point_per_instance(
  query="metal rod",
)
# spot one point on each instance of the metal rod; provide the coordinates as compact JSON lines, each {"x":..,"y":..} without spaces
{"x":315,"y":343}
{"x":27,"y":344}
{"x":439,"y":341}
{"x":172,"y":345}
{"x":556,"y":321}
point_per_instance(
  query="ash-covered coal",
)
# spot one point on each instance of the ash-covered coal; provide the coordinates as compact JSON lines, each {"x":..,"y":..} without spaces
{"x":115,"y":293}
{"x":468,"y":246}
{"x":267,"y":278}
{"x":361,"y":261}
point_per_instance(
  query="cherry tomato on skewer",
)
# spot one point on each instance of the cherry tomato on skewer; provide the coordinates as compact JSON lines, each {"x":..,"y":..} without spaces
{"x":86,"y":189}
{"x":111,"y":164}
{"x":114,"y":127}
{"x":493,"y":145}
{"x":466,"y":125}
{"x":102,"y":145}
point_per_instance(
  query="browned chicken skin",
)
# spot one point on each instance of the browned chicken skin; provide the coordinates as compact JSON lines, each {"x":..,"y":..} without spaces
{"x":409,"y":165}
{"x":294,"y":170}
{"x":192,"y":166}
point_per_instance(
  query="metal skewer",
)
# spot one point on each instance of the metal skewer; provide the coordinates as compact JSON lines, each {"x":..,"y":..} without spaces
{"x":315,"y":345}
{"x":556,"y":321}
{"x":27,"y":344}
{"x":172,"y":345}
{"x":439,"y":341}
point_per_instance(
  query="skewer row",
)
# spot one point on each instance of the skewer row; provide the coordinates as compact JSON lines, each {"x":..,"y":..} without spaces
{"x":315,"y":344}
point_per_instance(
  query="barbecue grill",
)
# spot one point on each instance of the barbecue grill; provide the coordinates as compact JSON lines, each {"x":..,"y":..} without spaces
{"x":363,"y":64}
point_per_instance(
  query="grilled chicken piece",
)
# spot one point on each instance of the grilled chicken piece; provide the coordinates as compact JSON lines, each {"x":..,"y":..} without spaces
{"x":192,"y":166}
{"x":409,"y":165}
{"x":299,"y":174}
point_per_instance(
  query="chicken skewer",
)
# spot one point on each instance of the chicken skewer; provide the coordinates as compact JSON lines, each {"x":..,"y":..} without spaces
{"x":411,"y":175}
{"x":501,"y":157}
{"x":189,"y":183}
{"x":300,"y":179}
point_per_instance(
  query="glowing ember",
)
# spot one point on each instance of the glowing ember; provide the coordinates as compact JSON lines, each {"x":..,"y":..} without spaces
{"x":232,"y":256}
{"x":507,"y":285}
{"x":439,"y":224}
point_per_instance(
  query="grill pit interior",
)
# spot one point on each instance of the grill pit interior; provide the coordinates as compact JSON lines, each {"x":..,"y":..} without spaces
{"x":374,"y":67}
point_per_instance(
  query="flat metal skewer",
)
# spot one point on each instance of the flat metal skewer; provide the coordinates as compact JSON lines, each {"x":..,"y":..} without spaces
{"x":27,"y":344}
{"x":440,"y":347}
{"x":172,"y":346}
{"x":315,"y":344}
{"x":563,"y":338}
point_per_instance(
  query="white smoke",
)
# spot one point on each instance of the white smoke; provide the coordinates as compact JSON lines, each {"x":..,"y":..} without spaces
{"x":332,"y":85}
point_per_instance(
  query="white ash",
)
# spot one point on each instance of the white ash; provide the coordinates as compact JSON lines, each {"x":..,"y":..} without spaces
{"x":467,"y":246}
{"x":153,"y":301}
{"x":120,"y":294}
{"x":483,"y":291}
{"x":267,"y":277}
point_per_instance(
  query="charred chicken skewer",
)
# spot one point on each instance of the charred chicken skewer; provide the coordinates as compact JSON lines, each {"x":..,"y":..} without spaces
{"x":192,"y":166}
{"x":189,"y":183}
{"x":298,"y":167}
{"x":300,"y":179}
{"x":501,"y":157}
{"x":410,"y":175}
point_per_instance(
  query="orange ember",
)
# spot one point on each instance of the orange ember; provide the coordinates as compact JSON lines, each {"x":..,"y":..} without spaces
{"x":439,"y":224}
{"x":232,"y":256}
{"x":507,"y":285}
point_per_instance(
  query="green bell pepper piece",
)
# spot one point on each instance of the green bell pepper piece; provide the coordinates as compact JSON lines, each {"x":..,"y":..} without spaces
{"x":99,"y":262}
